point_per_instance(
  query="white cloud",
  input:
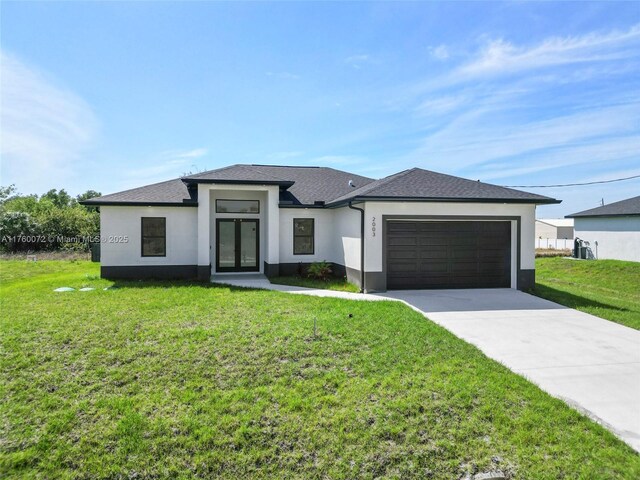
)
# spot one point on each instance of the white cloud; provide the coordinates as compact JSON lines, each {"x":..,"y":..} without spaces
{"x":476,"y":137}
{"x":500,"y":56}
{"x":45,"y":128}
{"x":164,"y":166}
{"x":357,"y":61}
{"x":441,"y":52}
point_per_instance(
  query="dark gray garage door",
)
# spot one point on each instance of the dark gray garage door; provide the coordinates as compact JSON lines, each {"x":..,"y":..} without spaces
{"x":448,"y":254}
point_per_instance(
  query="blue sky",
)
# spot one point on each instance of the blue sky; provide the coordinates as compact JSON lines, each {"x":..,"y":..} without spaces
{"x":108,"y":96}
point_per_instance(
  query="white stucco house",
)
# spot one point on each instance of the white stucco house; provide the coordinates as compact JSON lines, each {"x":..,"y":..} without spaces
{"x":613,"y":231}
{"x":554,"y":228}
{"x":414,"y":229}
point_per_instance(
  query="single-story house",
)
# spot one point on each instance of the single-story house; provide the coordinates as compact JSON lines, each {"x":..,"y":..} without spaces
{"x":414,"y":229}
{"x":554,"y":228}
{"x":613,"y":231}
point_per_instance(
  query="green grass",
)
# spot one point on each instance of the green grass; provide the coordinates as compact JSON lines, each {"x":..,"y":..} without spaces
{"x":606,"y":288}
{"x":339,"y":284}
{"x":179,"y":380}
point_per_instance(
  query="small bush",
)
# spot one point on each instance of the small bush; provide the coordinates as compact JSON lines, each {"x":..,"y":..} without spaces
{"x":319,"y":270}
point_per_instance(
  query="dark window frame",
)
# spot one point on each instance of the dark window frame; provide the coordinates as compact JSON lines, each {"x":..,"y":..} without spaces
{"x":237,"y":200}
{"x":143,"y":237}
{"x":312,"y":235}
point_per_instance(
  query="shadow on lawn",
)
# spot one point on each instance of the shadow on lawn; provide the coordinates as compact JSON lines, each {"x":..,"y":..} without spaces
{"x":156,"y":283}
{"x":570,"y":299}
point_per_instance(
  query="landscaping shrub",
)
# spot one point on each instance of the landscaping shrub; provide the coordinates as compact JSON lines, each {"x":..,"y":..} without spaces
{"x":319,"y":270}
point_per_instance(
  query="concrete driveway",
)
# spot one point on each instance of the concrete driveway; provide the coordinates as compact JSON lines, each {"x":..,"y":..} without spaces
{"x":591,"y":363}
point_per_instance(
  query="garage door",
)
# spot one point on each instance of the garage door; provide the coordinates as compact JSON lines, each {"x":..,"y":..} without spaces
{"x":463,"y":254}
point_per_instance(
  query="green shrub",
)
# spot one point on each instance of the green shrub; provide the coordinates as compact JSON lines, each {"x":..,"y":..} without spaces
{"x":319,"y":270}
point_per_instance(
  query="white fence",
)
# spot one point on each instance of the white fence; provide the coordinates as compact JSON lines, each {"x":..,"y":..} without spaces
{"x":554,"y":243}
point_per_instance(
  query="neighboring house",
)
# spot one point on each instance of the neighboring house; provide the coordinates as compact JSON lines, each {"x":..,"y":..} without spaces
{"x":414,"y":229}
{"x":613,"y":231}
{"x":554,"y":228}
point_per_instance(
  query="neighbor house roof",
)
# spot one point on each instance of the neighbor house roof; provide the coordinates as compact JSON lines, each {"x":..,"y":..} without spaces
{"x":425,"y":185}
{"x":556,"y":222}
{"x":313,"y":186}
{"x":628,"y":207}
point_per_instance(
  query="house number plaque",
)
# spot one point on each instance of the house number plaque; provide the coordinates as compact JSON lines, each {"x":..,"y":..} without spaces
{"x":373,"y":226}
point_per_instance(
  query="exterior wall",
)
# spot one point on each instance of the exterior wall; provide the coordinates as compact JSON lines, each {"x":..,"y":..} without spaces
{"x":126,"y":221}
{"x":618,"y":237}
{"x":544,"y":230}
{"x":523,"y":267}
{"x":324,"y":235}
{"x":565,"y":232}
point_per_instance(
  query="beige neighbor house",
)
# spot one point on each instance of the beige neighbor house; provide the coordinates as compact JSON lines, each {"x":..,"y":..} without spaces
{"x":554,"y":233}
{"x":411,"y":230}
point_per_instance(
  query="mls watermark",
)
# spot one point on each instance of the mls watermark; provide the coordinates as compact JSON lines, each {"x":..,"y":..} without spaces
{"x":80,"y":239}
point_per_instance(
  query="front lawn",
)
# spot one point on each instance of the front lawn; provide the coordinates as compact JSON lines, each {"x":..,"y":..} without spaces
{"x":180,"y":380}
{"x":606,"y":288}
{"x":339,"y":284}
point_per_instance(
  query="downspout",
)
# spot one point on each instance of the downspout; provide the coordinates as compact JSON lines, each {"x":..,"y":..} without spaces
{"x":361,"y":210}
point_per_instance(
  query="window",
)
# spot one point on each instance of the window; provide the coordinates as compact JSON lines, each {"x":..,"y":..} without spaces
{"x":154,"y":237}
{"x":303,"y":230}
{"x":237,"y":206}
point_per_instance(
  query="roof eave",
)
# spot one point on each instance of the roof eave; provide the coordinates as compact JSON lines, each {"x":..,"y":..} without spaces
{"x":137,"y":204}
{"x":602,"y":215}
{"x":364,"y":198}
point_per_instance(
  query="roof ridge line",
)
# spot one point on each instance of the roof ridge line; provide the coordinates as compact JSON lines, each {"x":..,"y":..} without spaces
{"x":379,"y":182}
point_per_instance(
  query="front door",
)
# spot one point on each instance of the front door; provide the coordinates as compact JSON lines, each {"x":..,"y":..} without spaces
{"x":237,"y":245}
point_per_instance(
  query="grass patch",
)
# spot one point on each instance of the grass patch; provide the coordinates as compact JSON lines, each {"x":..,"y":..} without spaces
{"x":339,"y":284}
{"x":186,"y":380}
{"x":605,"y":288}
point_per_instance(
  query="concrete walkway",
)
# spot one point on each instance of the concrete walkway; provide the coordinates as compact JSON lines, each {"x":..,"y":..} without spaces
{"x":590,"y":363}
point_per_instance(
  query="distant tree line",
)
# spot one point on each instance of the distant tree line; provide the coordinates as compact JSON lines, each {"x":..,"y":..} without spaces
{"x":52,"y":221}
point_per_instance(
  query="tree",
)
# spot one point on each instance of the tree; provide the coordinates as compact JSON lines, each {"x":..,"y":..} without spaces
{"x":6,"y":193}
{"x":87,"y":195}
{"x":60,"y":198}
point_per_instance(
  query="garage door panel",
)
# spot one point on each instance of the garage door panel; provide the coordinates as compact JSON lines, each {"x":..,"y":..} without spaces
{"x":448,"y":254}
{"x":425,"y":268}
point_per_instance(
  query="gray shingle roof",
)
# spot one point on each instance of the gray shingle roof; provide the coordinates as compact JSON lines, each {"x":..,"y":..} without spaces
{"x":171,"y":192}
{"x":307,"y":185}
{"x":630,"y":206}
{"x":417,"y":183}
{"x":310,"y":184}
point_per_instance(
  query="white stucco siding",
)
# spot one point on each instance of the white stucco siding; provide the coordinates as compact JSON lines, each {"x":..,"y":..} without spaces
{"x":116,"y":222}
{"x":544,"y":230}
{"x":374,"y":212}
{"x":347,"y":227}
{"x":618,"y":237}
{"x":325,"y":233}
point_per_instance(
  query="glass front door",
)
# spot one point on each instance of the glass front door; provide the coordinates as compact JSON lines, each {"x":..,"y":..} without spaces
{"x":237,"y":245}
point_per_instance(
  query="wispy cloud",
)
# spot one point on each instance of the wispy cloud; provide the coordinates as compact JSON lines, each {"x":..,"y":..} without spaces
{"x":45,"y":128}
{"x":357,"y":61}
{"x":441,"y":52}
{"x":163,"y":166}
{"x":500,"y":56}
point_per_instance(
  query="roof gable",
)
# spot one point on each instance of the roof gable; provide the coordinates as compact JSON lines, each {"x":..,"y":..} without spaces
{"x":419,"y":184}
